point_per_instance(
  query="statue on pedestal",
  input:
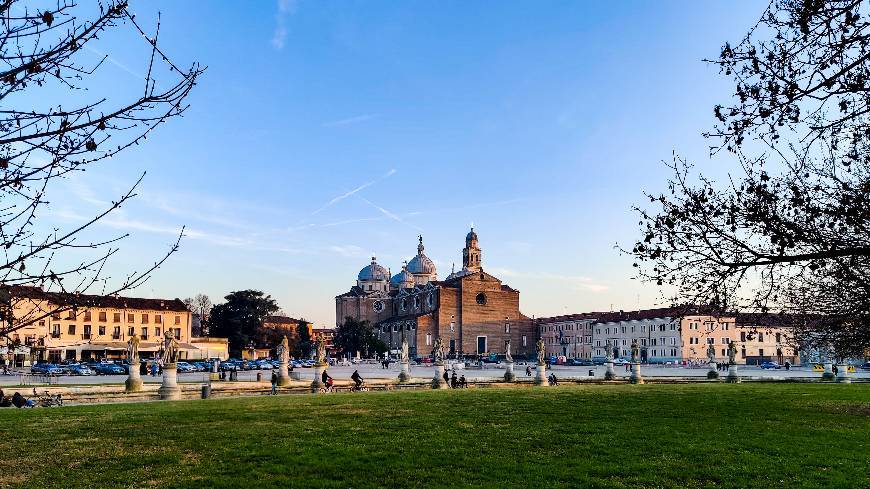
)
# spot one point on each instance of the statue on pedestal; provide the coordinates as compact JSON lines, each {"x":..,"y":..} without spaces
{"x":732,"y":353}
{"x":711,"y":353}
{"x":170,"y":348}
{"x":405,"y":358}
{"x":321,"y":349}
{"x":283,"y":350}
{"x":635,"y":351}
{"x":507,"y":351}
{"x":608,"y":351}
{"x":541,"y":352}
{"x":438,"y":350}
{"x":133,"y":350}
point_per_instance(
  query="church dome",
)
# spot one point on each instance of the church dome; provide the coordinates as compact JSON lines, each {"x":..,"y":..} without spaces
{"x":403,"y":279}
{"x":471,"y":235}
{"x":421,"y":264}
{"x":373,"y":272}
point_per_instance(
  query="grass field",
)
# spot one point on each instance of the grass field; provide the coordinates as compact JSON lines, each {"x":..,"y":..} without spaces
{"x":702,"y":435}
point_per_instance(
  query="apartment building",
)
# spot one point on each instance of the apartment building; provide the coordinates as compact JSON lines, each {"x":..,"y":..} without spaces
{"x":62,"y":326}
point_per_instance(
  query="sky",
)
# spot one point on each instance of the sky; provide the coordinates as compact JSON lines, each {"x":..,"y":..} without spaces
{"x":324,"y":133}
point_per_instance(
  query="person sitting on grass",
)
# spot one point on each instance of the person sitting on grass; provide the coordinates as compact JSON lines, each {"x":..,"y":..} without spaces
{"x":462,"y":382}
{"x":453,"y":380}
{"x":356,"y":378}
{"x":553,"y":380}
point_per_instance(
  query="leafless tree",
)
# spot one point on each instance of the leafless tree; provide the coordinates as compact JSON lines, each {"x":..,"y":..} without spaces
{"x":200,"y":305}
{"x":789,"y":232}
{"x":43,"y":57}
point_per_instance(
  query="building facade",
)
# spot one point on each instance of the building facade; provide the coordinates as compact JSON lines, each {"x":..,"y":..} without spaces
{"x":79,"y":327}
{"x":473,"y":312}
{"x":668,"y":335}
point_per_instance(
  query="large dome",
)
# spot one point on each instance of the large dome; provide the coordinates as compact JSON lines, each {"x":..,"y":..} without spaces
{"x":421,"y":264}
{"x":373,"y":272}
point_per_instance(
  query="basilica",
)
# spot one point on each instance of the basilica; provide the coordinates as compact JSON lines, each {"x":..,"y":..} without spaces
{"x":472,"y":311}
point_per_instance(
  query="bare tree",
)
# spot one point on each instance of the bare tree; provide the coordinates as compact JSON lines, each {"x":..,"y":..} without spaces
{"x":200,"y":305}
{"x":41,"y":58}
{"x":790,"y":232}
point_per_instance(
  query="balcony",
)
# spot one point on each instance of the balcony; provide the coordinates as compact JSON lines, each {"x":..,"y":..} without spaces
{"x":55,"y":335}
{"x":86,"y":336}
{"x":116,"y":337}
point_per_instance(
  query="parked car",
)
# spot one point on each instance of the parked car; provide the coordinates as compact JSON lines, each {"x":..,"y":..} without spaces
{"x":228,"y":366}
{"x":771,"y":365}
{"x":80,"y":369}
{"x":46,"y":368}
{"x":108,"y":369}
{"x":620,"y":361}
{"x":866,"y":366}
{"x":581,"y":362}
{"x":184,"y":367}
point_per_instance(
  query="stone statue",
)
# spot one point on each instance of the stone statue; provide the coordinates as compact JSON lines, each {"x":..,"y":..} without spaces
{"x":405,"y":358}
{"x":283,"y":350}
{"x":608,"y":351}
{"x":635,"y":351}
{"x":438,"y":350}
{"x":321,"y":349}
{"x":732,"y":353}
{"x":541,"y":352}
{"x":133,"y":349}
{"x":711,"y":353}
{"x":170,"y":348}
{"x":507,"y":351}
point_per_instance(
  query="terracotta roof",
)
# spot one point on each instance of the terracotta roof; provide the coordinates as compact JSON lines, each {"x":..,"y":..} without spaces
{"x":642,"y":314}
{"x":104,"y":301}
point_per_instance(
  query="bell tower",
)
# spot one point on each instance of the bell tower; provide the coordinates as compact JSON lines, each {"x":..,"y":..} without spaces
{"x":471,"y":253}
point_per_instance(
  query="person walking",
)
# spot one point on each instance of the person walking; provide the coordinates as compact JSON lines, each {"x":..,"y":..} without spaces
{"x":274,"y":383}
{"x":446,"y":378}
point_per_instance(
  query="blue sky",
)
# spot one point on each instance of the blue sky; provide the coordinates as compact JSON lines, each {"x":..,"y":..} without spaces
{"x":325,"y":132}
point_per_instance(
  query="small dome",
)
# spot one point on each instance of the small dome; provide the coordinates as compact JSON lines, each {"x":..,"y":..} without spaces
{"x":471,"y":235}
{"x":403,"y":279}
{"x":373,"y":272}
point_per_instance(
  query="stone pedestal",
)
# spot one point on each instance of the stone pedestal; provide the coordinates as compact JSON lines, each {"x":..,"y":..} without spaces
{"x":635,"y":378}
{"x":169,"y":389}
{"x":828,"y":373}
{"x":843,"y":374}
{"x":405,"y":372}
{"x":732,"y":373}
{"x":134,"y":378}
{"x":609,"y":374}
{"x":509,"y":375}
{"x":713,"y":373}
{"x":317,"y":383}
{"x":438,"y":380}
{"x":283,"y":375}
{"x":541,"y":375}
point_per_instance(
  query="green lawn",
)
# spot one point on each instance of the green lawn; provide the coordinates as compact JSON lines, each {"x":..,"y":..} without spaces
{"x":703,"y":435}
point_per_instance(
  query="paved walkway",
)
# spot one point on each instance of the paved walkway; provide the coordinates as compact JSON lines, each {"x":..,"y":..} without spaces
{"x":373,"y":371}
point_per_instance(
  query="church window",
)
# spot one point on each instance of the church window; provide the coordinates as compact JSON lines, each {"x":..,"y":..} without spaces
{"x":428,"y":339}
{"x":525,"y":341}
{"x":404,"y":304}
{"x":416,"y":302}
{"x":507,"y":327}
{"x":481,"y":298}
{"x":378,"y":306}
{"x":430,"y":299}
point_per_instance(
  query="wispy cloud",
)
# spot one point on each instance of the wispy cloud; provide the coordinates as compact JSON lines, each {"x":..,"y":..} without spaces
{"x":285,"y":9}
{"x":578,"y":281}
{"x":347,"y":250}
{"x":350,"y":120}
{"x":390,"y":215}
{"x":350,"y":193}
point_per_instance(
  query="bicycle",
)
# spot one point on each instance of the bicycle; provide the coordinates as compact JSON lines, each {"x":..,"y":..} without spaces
{"x":359,"y":388}
{"x":48,"y":400}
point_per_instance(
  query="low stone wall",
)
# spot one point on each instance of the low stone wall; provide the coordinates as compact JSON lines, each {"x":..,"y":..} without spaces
{"x":93,"y":394}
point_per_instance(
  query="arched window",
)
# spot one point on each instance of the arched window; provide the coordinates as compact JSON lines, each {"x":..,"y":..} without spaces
{"x":481,"y":298}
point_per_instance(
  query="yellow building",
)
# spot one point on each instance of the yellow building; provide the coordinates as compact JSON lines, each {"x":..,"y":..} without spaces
{"x":63,"y":326}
